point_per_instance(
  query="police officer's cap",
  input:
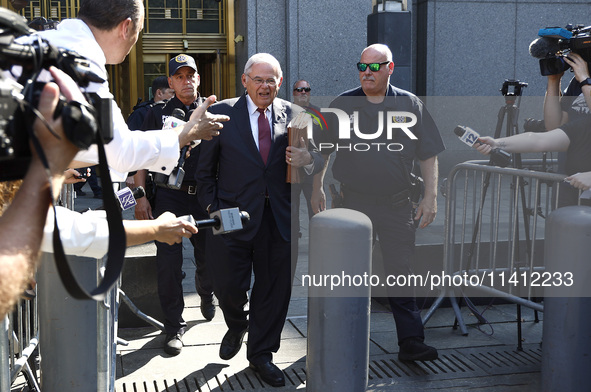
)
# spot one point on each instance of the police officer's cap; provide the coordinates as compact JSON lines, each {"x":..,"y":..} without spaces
{"x":182,"y":60}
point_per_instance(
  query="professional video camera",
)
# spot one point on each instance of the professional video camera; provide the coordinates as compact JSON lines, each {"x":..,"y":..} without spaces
{"x":19,"y":98}
{"x":555,"y":43}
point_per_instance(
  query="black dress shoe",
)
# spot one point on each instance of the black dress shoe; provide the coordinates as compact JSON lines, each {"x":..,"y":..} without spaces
{"x":231,"y":344}
{"x":270,"y":373}
{"x":413,"y":349}
{"x":207,"y":308}
{"x":173,"y":344}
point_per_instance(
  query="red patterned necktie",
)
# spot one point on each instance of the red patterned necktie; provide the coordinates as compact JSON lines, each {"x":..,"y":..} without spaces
{"x":264,"y":135}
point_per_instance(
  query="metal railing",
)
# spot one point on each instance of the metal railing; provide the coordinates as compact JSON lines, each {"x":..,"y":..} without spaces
{"x":20,"y":337}
{"x":494,"y":227}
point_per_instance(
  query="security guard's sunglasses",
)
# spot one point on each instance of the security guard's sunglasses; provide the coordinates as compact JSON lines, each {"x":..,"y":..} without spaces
{"x":302,"y":89}
{"x":373,"y":67}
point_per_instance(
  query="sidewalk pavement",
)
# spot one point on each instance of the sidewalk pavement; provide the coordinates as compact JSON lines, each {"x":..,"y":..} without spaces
{"x":485,"y":360}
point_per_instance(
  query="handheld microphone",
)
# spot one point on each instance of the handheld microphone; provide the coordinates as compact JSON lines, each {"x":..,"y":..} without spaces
{"x":127,"y":197}
{"x":175,"y":179}
{"x":176,"y":119}
{"x":470,"y":137}
{"x":222,"y":221}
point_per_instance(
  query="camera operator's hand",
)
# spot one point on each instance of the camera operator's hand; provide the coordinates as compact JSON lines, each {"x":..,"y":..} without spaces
{"x":73,"y":176}
{"x":59,"y":151}
{"x":202,"y":124}
{"x":579,"y":66}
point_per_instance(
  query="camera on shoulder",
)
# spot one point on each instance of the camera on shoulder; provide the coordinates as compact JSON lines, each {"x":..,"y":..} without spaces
{"x":19,"y":98}
{"x":556,"y":43}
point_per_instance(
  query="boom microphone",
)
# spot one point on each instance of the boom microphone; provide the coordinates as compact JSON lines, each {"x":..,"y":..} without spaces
{"x":470,"y":137}
{"x":543,"y":47}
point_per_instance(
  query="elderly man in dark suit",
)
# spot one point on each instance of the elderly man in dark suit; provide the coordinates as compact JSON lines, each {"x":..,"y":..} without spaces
{"x":246,"y":167}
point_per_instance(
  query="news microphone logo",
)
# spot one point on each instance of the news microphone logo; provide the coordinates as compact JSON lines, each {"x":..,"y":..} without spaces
{"x":470,"y":137}
{"x":127,"y":197}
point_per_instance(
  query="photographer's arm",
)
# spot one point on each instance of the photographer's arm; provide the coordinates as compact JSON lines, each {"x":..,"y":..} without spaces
{"x":553,"y":114}
{"x":21,"y":225}
{"x":427,"y":209}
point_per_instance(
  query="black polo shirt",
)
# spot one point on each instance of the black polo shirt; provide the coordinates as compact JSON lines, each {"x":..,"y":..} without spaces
{"x":375,"y":164}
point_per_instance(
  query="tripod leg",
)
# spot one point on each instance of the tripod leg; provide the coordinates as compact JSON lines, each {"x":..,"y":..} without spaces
{"x":519,"y":335}
{"x":436,"y":304}
{"x":459,"y":319}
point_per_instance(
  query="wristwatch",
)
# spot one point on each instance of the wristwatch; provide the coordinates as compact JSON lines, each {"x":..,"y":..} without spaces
{"x":586,"y":82}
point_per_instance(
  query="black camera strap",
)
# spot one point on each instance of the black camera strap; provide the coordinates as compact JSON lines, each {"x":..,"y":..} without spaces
{"x":117,"y":240}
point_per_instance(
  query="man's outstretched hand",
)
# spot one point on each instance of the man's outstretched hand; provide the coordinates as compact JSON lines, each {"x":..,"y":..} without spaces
{"x":202,"y":125}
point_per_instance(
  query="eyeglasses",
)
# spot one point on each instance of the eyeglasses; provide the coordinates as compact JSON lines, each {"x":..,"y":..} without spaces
{"x":260,"y":81}
{"x":373,"y":67}
{"x":302,"y":89}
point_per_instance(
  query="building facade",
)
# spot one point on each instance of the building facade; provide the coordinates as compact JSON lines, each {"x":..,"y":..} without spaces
{"x":199,"y":28}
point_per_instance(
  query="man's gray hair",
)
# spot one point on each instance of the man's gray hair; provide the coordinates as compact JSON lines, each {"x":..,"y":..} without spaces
{"x":263,"y":58}
{"x":384,"y":49}
{"x":107,"y":14}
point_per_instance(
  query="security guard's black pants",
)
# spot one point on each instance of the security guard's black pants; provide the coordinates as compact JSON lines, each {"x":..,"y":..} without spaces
{"x":396,"y":232}
{"x":169,"y":259}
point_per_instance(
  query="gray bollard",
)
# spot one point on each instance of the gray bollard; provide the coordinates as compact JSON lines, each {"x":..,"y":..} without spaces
{"x":76,"y":336}
{"x":566,"y":357}
{"x":338,"y":317}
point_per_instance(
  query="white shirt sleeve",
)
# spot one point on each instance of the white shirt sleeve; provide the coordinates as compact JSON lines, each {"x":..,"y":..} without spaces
{"x":82,"y":234}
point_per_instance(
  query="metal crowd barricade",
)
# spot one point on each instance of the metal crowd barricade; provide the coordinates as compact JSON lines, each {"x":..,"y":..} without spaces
{"x":20,"y":337}
{"x":494,"y":228}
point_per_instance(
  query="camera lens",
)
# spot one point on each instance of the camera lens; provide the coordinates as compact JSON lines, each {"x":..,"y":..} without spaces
{"x":553,"y":66}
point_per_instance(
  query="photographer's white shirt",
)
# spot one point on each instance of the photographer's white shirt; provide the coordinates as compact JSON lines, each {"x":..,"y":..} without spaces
{"x":85,"y":235}
{"x":128,"y":151}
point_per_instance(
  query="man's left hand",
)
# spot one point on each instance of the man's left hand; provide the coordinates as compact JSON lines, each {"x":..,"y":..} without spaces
{"x":426,"y":211}
{"x":298,"y":156}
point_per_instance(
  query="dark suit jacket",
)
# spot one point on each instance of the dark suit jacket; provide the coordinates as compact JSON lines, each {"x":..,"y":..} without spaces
{"x":231,"y":172}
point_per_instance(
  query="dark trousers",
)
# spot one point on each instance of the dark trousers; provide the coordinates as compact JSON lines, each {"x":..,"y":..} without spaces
{"x":396,"y":232}
{"x":169,"y":259}
{"x":232,"y":263}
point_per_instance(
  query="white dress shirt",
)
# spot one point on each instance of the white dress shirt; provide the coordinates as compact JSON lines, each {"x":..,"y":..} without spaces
{"x":128,"y":151}
{"x":84,"y":234}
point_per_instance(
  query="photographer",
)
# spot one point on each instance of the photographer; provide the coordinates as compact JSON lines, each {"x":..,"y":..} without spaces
{"x":21,"y":225}
{"x":558,"y":108}
{"x":562,"y":108}
{"x":104,"y":33}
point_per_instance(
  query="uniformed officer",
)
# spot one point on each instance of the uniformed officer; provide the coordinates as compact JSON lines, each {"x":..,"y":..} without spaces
{"x":184,"y":79}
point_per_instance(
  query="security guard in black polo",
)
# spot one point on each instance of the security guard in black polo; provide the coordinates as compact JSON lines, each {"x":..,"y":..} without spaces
{"x":389,"y":129}
{"x":184,"y":79}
